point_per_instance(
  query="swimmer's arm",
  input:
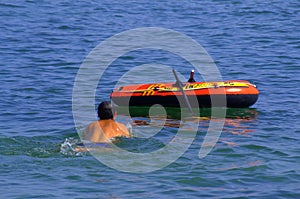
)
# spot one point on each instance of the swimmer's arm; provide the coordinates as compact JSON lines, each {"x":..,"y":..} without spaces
{"x":81,"y":149}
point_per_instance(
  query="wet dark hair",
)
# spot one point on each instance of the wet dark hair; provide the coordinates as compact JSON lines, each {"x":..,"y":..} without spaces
{"x":105,"y":111}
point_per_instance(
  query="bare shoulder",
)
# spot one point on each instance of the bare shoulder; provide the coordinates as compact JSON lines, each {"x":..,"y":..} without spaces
{"x":93,"y":125}
{"x":90,"y":129}
{"x":123,"y":128}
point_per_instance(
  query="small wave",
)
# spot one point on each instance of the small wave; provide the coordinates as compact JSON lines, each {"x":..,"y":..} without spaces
{"x":40,"y":146}
{"x":139,"y":145}
{"x":73,"y":147}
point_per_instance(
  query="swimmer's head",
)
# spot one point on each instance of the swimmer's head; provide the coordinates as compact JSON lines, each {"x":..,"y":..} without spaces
{"x":105,"y":111}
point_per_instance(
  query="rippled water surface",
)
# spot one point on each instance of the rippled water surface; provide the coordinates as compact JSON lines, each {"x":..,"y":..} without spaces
{"x":43,"y":44}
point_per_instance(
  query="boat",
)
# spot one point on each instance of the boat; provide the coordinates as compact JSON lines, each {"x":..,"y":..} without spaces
{"x":239,"y":94}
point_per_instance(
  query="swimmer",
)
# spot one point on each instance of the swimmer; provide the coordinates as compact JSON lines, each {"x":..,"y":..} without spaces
{"x":106,"y":128}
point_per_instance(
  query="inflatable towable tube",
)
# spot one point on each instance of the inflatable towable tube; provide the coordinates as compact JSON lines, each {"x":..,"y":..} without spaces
{"x":239,"y":94}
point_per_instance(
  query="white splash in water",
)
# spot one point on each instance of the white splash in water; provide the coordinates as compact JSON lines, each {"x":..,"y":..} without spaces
{"x":68,"y":148}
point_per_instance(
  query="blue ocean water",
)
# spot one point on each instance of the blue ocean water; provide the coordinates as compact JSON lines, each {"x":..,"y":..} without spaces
{"x":43,"y":44}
